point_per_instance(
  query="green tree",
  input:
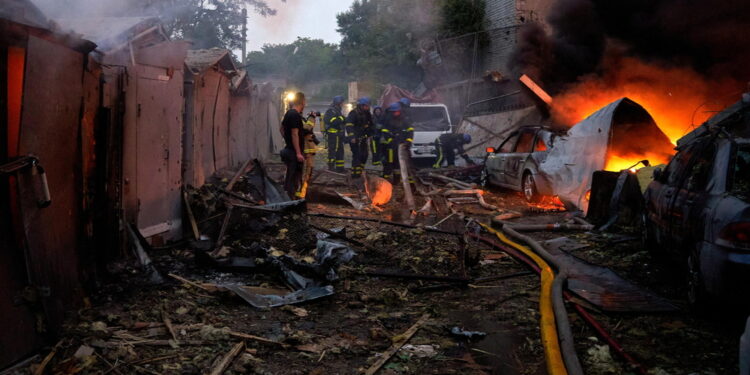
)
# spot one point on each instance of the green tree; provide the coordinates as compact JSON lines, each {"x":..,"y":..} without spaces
{"x":461,"y":17}
{"x":208,"y":23}
{"x":379,"y":39}
{"x":303,"y":61}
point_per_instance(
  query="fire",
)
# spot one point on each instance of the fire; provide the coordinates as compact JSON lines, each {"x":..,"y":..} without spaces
{"x":677,"y":98}
{"x":616,"y":163}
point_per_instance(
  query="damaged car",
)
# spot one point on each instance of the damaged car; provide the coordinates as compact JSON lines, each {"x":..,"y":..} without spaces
{"x":698,"y":207}
{"x":515,"y":163}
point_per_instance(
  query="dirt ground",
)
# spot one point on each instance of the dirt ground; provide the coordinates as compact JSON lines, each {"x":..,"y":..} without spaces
{"x":123,"y":331}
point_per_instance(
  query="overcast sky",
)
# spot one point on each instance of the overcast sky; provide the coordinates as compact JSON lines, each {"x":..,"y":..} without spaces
{"x":306,"y":18}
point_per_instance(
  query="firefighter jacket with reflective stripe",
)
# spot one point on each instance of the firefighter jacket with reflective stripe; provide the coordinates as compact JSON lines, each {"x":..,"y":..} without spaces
{"x":397,"y":129}
{"x":359,"y":124}
{"x":333,"y":120}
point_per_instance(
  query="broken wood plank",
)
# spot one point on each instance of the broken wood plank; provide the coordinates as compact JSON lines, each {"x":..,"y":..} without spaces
{"x":239,"y":174}
{"x":191,"y":217}
{"x":400,"y":341}
{"x":264,"y":340}
{"x":228,"y":358}
{"x":42,"y":366}
{"x":191,"y":283}
{"x":453,"y":180}
{"x":168,"y":324}
{"x":224,"y":226}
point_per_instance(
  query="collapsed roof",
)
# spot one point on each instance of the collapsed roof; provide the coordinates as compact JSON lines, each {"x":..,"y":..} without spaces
{"x":201,"y":59}
{"x":622,"y":127}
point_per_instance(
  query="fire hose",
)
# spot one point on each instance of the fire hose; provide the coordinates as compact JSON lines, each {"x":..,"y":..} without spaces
{"x":557,"y":339}
{"x":521,"y":256}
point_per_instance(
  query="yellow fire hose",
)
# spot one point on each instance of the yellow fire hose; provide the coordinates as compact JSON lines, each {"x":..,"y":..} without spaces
{"x":550,"y":341}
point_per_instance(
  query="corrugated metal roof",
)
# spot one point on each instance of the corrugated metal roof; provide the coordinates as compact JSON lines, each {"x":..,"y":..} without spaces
{"x":108,"y":31}
{"x":201,"y":59}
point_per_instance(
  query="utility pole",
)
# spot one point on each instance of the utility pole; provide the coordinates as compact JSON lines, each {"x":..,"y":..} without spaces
{"x":244,"y":35}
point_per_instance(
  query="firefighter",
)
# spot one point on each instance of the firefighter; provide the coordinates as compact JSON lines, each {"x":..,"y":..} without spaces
{"x":292,"y":129}
{"x":334,"y":128}
{"x":309,"y":150}
{"x":378,"y":119}
{"x":397,"y":130}
{"x":450,"y":144}
{"x":358,"y":130}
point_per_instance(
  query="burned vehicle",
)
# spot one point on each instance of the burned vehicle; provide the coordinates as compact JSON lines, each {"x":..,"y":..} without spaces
{"x":515,"y":163}
{"x":698,"y":207}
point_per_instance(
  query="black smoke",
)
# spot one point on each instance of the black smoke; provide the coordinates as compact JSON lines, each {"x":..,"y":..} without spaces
{"x":711,"y":37}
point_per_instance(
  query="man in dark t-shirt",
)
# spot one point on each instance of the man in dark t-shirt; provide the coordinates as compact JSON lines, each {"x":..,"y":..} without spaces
{"x":292,"y":129}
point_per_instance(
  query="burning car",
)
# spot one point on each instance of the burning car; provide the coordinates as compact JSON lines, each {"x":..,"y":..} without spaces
{"x":515,"y":163}
{"x":698,"y":207}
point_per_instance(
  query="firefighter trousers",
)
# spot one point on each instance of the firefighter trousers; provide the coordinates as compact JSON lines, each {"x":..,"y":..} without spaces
{"x":335,"y":150}
{"x":392,"y":164}
{"x":444,"y":154}
{"x":377,"y":151}
{"x":307,"y":170}
{"x":359,"y":156}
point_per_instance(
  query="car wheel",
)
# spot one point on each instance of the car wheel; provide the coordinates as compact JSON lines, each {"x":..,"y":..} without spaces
{"x":696,"y":293}
{"x":528,"y":187}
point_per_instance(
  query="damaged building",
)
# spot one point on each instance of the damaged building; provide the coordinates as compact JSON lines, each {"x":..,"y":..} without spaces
{"x":146,"y":228}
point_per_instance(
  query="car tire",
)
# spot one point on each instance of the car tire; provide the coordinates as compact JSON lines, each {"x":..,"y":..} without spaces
{"x":528,"y":188}
{"x":697,"y":295}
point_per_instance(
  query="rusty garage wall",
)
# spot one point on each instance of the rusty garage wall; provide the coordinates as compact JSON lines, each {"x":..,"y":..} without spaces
{"x":209,"y":81}
{"x":152,"y":136}
{"x":42,"y":100}
{"x":240,"y":111}
{"x":265,"y":139}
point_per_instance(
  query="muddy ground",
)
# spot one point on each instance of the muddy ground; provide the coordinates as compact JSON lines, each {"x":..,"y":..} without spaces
{"x":123,"y":330}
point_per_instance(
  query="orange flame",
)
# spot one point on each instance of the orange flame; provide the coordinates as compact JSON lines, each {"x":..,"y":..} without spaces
{"x":677,"y":98}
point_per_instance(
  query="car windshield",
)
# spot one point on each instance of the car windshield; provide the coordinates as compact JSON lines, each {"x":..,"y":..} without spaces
{"x":430,"y":119}
{"x":740,"y":173}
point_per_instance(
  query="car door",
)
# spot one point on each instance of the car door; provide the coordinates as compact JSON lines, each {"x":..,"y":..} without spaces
{"x":686,"y":216}
{"x":496,"y":161}
{"x":670,"y":182}
{"x":515,"y":161}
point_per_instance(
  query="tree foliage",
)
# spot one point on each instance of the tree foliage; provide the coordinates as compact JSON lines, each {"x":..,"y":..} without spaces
{"x":306,"y":60}
{"x":461,"y":17}
{"x":208,"y":23}
{"x":380,"y":42}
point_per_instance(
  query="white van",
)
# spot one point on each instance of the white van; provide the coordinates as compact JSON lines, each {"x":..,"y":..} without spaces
{"x":429,"y":121}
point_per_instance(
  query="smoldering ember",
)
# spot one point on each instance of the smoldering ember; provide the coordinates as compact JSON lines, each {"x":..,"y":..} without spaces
{"x":374,"y":187}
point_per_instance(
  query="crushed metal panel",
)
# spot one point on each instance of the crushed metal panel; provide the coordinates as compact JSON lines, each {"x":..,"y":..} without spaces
{"x":159,"y":152}
{"x":49,"y":130}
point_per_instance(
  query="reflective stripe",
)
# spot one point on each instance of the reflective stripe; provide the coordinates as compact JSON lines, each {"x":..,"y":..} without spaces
{"x":333,"y":131}
{"x":385,"y":130}
{"x":349,"y":124}
{"x":409,"y":140}
{"x":410,"y":129}
{"x":390,"y":156}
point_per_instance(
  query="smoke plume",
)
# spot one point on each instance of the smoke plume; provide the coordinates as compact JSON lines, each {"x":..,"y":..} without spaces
{"x":677,"y":56}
